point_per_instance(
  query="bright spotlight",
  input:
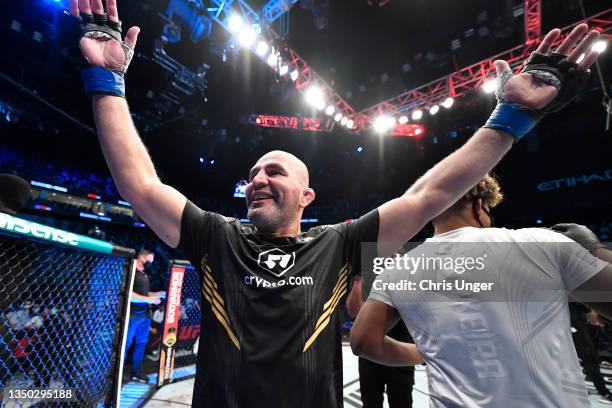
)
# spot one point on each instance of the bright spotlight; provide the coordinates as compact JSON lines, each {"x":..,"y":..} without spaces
{"x":580,"y":58}
{"x":234,"y":23}
{"x":448,"y":102}
{"x":490,"y":85}
{"x":403,"y":119}
{"x":272,"y":58}
{"x":600,"y":46}
{"x":330,"y":110}
{"x":283,"y":70}
{"x":350,"y":123}
{"x":320,"y":105}
{"x":338,"y":117}
{"x":434,"y":109}
{"x":344,"y":121}
{"x":383,"y":123}
{"x":294,"y":75}
{"x":262,"y":48}
{"x":314,"y":96}
{"x":418,"y":131}
{"x":417,"y":114}
{"x":247,"y":36}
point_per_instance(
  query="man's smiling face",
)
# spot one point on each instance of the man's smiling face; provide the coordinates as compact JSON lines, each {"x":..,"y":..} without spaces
{"x":277,"y":192}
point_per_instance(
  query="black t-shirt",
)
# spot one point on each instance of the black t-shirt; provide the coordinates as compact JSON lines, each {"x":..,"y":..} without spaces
{"x":270,"y":310}
{"x":141,"y":286}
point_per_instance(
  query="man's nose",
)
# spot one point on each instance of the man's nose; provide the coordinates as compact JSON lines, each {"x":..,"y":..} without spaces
{"x":260,"y":179}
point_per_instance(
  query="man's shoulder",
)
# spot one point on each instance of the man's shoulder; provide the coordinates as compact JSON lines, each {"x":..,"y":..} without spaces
{"x":321,"y":230}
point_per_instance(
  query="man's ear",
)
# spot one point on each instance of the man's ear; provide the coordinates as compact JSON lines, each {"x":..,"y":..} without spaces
{"x":308,"y":196}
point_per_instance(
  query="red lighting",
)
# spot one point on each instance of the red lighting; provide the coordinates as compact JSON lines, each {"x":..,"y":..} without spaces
{"x":293,"y":122}
{"x":93,"y":196}
{"x":408,"y":130}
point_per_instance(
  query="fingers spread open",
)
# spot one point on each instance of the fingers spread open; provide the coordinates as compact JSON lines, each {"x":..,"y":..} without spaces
{"x":548,"y":41}
{"x":501,"y":67}
{"x":74,"y":7}
{"x":573,"y":37}
{"x":589,"y":60}
{"x":111,"y":10}
{"x":85,"y":6}
{"x":132,"y":36}
{"x":584,"y":46}
{"x":97,"y":7}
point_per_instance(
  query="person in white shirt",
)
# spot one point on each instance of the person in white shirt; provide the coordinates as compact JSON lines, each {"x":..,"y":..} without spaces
{"x":482,"y":349}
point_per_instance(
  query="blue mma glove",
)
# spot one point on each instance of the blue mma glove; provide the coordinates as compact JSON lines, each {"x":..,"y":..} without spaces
{"x":100,"y":79}
{"x":546,"y":69}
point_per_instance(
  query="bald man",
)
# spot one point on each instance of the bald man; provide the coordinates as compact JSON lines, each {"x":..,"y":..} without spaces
{"x":271,"y":322}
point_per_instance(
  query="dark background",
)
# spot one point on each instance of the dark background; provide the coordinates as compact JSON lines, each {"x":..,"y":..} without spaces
{"x":356,"y":47}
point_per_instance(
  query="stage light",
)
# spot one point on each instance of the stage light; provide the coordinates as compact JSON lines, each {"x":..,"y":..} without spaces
{"x":338,"y":117}
{"x":344,"y":121}
{"x":490,"y":85}
{"x":262,"y":48}
{"x":247,"y":36}
{"x":434,"y":109}
{"x":417,"y":114}
{"x":294,"y":75}
{"x":384,"y":123}
{"x":359,"y":149}
{"x":282,"y":71}
{"x":234,"y":23}
{"x":320,"y":105}
{"x":418,"y":131}
{"x":599,"y":46}
{"x":201,"y":160}
{"x":314,"y":97}
{"x":330,"y":110}
{"x":272,"y":58}
{"x":580,"y":58}
{"x":212,"y":161}
{"x":403,"y":119}
{"x":350,"y":123}
{"x":448,"y":102}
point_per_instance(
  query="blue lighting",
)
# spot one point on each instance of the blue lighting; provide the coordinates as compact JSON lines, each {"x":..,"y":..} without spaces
{"x":201,"y":160}
{"x":95,"y":217}
{"x":359,"y":149}
{"x":212,"y":161}
{"x":48,"y":186}
{"x":57,"y":3}
{"x":308,"y":220}
{"x":538,"y":221}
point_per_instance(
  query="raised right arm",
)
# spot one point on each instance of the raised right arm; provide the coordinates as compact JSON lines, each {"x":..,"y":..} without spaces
{"x":159,"y":205}
{"x":107,"y":56}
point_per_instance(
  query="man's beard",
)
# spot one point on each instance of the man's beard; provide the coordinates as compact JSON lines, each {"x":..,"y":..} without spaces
{"x":269,"y":219}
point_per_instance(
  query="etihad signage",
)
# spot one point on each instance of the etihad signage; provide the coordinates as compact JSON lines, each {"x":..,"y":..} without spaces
{"x":575,"y":181}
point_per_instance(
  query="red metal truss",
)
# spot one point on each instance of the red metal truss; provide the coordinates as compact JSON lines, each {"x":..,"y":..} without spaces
{"x":308,"y":76}
{"x":469,"y":78}
{"x":533,"y":22}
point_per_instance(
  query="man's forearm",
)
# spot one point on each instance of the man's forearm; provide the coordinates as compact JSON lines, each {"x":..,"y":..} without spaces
{"x":125,"y":154}
{"x":604,"y":254}
{"x":452,"y":177}
{"x":393,"y":353}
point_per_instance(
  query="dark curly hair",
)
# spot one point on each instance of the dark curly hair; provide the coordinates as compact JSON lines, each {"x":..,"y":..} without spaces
{"x":488,"y":190}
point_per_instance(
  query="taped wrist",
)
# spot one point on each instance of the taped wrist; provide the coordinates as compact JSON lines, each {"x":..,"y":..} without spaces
{"x":102,"y":80}
{"x":513,"y":118}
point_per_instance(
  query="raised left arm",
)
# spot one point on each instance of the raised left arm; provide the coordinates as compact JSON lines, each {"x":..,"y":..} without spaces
{"x":440,"y":187}
{"x":547,"y":83}
{"x":369,"y":340}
